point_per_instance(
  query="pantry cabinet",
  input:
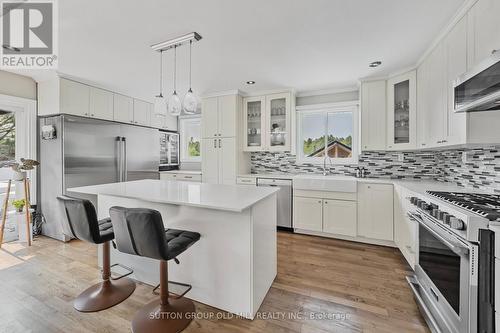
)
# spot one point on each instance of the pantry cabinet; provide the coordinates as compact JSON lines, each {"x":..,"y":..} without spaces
{"x":373,"y":115}
{"x":402,"y":112}
{"x":222,"y":156}
{"x":219,"y":116}
{"x":375,"y":211}
{"x":267,"y":122}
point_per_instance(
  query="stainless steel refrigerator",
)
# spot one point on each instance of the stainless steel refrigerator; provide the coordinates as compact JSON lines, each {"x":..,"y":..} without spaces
{"x":76,"y":151}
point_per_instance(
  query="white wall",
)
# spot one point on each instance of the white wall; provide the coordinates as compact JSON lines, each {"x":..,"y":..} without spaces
{"x":17,"y":85}
{"x":327,"y":98}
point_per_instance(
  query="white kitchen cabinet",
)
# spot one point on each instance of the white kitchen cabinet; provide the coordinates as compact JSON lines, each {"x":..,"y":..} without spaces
{"x":74,"y":98}
{"x":278,"y":122}
{"x":101,"y":103}
{"x":308,"y":213}
{"x":483,"y":30}
{"x":210,"y":161}
{"x":375,"y":211}
{"x":167,"y":122}
{"x":373,"y":115}
{"x":268,"y":122}
{"x":222,"y":156}
{"x":339,"y":217}
{"x":254,"y":123}
{"x":220,"y":161}
{"x":142,"y":112}
{"x":456,"y":64}
{"x":402,"y":112}
{"x":180,"y":176}
{"x":123,"y":108}
{"x":405,"y":230}
{"x":219,"y":116}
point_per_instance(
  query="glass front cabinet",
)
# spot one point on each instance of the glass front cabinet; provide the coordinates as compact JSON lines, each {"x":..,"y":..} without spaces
{"x":267,"y":122}
{"x":402,"y":112}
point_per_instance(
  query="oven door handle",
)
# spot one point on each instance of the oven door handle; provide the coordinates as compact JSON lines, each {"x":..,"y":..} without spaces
{"x":458,"y":249}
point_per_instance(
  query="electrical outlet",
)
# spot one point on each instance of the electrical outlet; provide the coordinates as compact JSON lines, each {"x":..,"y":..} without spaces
{"x":401,"y":157}
{"x":464,"y":157}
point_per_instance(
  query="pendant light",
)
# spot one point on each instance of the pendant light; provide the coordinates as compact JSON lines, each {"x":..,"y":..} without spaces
{"x":174,"y":103}
{"x":190,"y":103}
{"x":160,"y":104}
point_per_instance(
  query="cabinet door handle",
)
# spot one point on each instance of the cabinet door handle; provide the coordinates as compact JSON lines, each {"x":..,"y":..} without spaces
{"x":215,"y":143}
{"x":220,"y":143}
{"x":444,"y":141}
{"x":326,"y":202}
{"x":319,"y":201}
{"x":92,"y":114}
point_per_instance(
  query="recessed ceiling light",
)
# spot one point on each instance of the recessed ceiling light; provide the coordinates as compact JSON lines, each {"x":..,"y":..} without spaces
{"x":250,"y":82}
{"x":375,"y":64}
{"x":12,"y":48}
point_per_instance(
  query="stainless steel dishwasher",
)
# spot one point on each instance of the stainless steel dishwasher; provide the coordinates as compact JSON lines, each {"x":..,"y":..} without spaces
{"x":284,"y":204}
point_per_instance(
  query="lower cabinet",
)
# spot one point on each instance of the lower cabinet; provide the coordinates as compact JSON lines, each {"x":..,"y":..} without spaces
{"x":339,"y":217}
{"x":375,"y":211}
{"x":308,"y":213}
{"x":324,"y":212}
{"x":405,"y":230}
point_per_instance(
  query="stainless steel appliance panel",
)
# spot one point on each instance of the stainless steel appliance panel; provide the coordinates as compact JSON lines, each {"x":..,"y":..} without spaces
{"x":479,"y":89}
{"x":142,"y":152}
{"x":90,"y":152}
{"x":284,"y":204}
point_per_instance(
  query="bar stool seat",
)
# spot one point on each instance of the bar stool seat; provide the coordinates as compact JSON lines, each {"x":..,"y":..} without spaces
{"x":83,"y":224}
{"x":140,"y":231}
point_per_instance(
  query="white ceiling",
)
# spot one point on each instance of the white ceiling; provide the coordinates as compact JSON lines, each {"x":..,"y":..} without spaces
{"x":302,"y":44}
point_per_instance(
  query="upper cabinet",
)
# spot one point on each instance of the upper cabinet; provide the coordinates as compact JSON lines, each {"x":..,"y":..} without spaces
{"x":438,"y":124}
{"x":268,"y":122}
{"x":483,"y":30}
{"x":74,"y":98}
{"x":123,"y":109}
{"x":219,"y":116}
{"x":101,"y":103}
{"x":373,"y":115}
{"x":64,"y":96}
{"x":401,"y":112}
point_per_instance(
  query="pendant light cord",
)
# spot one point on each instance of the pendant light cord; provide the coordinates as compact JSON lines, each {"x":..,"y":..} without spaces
{"x":190,"y":61}
{"x":175,"y":69}
{"x":161,"y":73}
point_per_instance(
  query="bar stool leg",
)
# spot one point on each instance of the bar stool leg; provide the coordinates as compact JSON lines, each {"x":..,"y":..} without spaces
{"x":164,"y":315}
{"x":107,"y":293}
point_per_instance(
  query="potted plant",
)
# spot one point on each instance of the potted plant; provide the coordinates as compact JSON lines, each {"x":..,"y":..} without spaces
{"x":21,"y":167}
{"x":19,"y":204}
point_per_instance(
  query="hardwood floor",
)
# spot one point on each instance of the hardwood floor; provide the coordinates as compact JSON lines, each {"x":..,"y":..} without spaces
{"x":354,"y":287}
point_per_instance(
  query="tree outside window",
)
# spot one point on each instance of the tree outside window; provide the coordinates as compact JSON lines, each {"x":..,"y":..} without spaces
{"x":7,"y":136}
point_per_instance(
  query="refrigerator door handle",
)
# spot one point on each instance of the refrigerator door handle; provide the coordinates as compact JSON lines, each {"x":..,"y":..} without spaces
{"x":124,"y":158}
{"x":119,"y":157}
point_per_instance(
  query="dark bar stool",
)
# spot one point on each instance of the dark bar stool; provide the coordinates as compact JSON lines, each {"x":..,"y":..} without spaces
{"x":83,"y":223}
{"x":140,"y":232}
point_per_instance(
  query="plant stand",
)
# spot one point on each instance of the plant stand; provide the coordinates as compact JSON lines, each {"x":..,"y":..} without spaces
{"x":26,"y":207}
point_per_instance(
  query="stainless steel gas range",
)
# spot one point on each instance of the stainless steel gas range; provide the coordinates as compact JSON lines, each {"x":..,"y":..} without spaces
{"x":453,"y":281}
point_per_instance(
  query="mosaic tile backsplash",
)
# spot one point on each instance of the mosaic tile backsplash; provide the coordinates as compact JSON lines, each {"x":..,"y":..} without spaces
{"x":480,"y":169}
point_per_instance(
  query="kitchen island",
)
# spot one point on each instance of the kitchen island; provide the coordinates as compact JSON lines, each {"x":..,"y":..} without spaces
{"x":234,"y":263}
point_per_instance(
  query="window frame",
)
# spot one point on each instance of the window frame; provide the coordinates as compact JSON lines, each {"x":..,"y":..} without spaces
{"x":183,"y":121}
{"x":326,"y":109}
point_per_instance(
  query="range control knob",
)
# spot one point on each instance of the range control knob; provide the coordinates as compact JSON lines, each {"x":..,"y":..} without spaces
{"x":434,"y":206}
{"x":446,"y":218}
{"x":457,"y":224}
{"x":435,"y":212}
{"x":440,"y":215}
{"x":413,"y":200}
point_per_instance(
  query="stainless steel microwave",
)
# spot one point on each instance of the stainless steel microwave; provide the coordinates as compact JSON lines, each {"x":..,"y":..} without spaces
{"x":479,"y":88}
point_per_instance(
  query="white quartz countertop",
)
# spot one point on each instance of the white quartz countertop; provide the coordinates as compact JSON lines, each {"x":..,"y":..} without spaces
{"x":415,"y":185}
{"x":213,"y":196}
{"x":183,"y":172}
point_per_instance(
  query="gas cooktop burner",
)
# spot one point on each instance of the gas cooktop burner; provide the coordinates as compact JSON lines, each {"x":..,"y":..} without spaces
{"x":485,"y":205}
